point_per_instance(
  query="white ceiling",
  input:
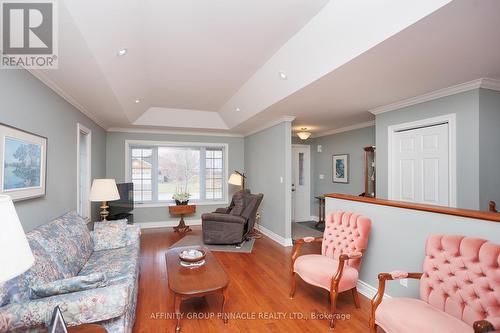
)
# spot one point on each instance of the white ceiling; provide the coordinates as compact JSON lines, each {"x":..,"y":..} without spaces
{"x":192,"y":63}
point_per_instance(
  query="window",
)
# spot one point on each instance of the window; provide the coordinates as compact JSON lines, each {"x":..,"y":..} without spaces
{"x":159,"y":170}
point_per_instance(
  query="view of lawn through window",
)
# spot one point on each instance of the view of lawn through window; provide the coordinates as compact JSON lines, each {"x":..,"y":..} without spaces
{"x":197,"y":170}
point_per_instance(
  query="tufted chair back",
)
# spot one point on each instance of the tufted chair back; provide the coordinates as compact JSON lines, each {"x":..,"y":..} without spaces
{"x":461,"y":276}
{"x":345,"y":233}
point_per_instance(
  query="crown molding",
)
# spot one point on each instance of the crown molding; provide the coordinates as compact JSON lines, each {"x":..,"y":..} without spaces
{"x":272,"y":123}
{"x":485,"y":83}
{"x":59,"y":91}
{"x":345,"y":129}
{"x":174,"y":132}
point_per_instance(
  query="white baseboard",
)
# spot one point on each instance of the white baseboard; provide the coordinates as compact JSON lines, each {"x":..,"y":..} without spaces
{"x":368,"y":290}
{"x":274,"y":236}
{"x":166,"y":224}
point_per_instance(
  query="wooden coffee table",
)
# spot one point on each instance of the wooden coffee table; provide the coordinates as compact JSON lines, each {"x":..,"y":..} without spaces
{"x":195,"y":282}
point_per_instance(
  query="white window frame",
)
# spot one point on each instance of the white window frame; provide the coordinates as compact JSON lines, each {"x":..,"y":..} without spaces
{"x":449,"y":119}
{"x":79,"y":130}
{"x":146,"y":143}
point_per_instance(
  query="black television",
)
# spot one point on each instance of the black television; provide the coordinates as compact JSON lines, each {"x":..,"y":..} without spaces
{"x":125,"y":205}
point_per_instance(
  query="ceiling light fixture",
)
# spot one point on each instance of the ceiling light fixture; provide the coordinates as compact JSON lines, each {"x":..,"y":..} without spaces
{"x":283,"y":75}
{"x":137,"y":101}
{"x":303,"y":134}
{"x":237,"y":109}
{"x":122,"y":52}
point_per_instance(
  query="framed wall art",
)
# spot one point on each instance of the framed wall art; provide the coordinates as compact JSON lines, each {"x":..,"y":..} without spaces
{"x":23,"y":163}
{"x":340,"y":168}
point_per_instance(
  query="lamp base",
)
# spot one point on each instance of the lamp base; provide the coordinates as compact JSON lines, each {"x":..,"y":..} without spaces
{"x":104,"y":211}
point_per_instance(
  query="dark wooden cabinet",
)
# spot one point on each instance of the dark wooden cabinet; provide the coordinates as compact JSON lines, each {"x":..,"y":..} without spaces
{"x":370,"y":174}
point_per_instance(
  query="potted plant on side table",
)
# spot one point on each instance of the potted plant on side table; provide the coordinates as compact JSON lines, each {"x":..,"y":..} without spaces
{"x":181,"y":198}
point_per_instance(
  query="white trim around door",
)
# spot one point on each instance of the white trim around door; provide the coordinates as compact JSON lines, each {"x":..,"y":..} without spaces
{"x":449,"y":119}
{"x":82,"y":130}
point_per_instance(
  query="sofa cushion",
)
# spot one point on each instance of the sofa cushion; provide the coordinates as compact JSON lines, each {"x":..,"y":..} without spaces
{"x":67,"y":239}
{"x":411,"y":315}
{"x":319,"y":270}
{"x":110,"y":235}
{"x":44,"y":269}
{"x":238,"y":203}
{"x":116,"y":263}
{"x":69,"y":285}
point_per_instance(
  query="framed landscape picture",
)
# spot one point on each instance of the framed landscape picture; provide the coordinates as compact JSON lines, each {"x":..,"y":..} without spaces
{"x":340,"y":168}
{"x":23,"y":163}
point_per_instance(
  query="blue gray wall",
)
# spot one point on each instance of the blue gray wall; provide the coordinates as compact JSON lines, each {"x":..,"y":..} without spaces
{"x":115,"y":167}
{"x":466,"y":107}
{"x":350,"y":142}
{"x":489,"y":147}
{"x":31,"y":106}
{"x":267,"y":159}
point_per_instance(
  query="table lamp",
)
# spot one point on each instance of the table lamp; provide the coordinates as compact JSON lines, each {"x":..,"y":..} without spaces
{"x":104,"y":190}
{"x":15,"y":252}
{"x":237,"y":178}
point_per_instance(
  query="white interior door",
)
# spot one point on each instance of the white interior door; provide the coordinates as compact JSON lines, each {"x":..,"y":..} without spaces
{"x":301,"y":183}
{"x":420,"y":165}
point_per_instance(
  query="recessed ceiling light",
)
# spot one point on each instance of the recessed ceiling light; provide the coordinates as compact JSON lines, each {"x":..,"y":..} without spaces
{"x":122,"y":52}
{"x":237,"y":109}
{"x":283,"y":75}
{"x":137,"y":101}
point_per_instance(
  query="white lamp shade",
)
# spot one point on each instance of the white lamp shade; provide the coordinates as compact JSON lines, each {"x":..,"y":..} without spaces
{"x":235,"y":179}
{"x":104,"y":190}
{"x":15,"y":252}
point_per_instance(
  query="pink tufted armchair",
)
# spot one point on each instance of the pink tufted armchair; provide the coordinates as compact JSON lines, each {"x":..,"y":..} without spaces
{"x":336,"y":268}
{"x":459,"y":290}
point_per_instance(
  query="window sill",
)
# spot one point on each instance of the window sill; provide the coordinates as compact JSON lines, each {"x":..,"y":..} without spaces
{"x":166,"y":204}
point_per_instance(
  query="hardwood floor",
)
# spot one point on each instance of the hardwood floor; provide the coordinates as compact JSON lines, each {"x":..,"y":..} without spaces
{"x":259,"y":286}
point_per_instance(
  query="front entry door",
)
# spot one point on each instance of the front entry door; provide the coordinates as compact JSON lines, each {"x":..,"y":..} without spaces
{"x":301,"y":183}
{"x":420,"y":165}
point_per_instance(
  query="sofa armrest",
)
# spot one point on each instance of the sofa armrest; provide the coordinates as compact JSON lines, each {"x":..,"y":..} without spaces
{"x":489,"y":325}
{"x":78,"y":308}
{"x":223,"y":218}
{"x":382,"y":278}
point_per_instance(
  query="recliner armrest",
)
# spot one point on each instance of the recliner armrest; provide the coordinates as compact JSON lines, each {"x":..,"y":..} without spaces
{"x":218,"y":217}
{"x":224,"y":210}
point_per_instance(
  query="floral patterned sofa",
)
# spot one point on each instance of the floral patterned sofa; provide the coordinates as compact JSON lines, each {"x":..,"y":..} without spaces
{"x":64,"y":251}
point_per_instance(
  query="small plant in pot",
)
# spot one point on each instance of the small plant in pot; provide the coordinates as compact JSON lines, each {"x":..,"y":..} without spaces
{"x":181,"y":198}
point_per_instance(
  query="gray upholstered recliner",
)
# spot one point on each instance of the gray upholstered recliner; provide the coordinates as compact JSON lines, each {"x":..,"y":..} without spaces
{"x":231,"y":225}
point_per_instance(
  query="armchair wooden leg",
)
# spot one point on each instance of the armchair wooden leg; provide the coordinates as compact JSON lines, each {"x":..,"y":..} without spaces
{"x":356,"y":297}
{"x":373,"y":327}
{"x":333,"y":307}
{"x":293,"y":285}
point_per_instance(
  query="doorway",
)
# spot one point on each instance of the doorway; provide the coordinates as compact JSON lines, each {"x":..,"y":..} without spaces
{"x":301,"y":183}
{"x":422,"y":162}
{"x":83,"y":178}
